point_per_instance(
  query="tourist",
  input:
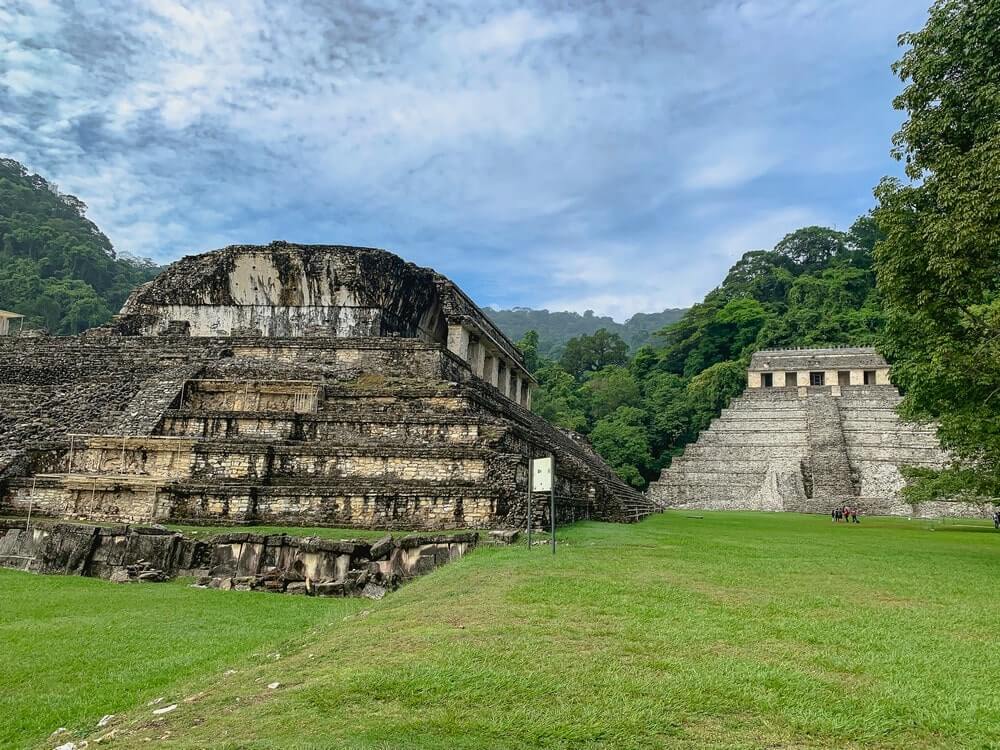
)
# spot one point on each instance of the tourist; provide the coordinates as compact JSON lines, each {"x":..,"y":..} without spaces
{"x":996,"y":519}
{"x":854,"y":515}
{"x":833,"y":515}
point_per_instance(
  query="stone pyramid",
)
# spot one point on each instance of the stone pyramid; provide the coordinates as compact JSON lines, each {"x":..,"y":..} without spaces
{"x":814,"y":429}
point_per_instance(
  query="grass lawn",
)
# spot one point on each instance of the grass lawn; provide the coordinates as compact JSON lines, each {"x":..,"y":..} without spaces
{"x":733,"y":630}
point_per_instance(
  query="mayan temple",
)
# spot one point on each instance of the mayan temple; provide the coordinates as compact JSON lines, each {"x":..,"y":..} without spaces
{"x":301,"y":385}
{"x":814,"y":429}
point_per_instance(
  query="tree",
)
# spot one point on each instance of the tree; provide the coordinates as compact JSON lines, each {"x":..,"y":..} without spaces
{"x":607,"y":390}
{"x":938,"y":265}
{"x":811,"y":247}
{"x":529,"y":348}
{"x":592,"y":353}
{"x":621,"y":439}
{"x":557,"y":398}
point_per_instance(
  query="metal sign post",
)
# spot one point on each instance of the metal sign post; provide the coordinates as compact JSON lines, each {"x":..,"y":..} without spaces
{"x":541,"y":472}
{"x":531,"y":496}
{"x":552,"y":507}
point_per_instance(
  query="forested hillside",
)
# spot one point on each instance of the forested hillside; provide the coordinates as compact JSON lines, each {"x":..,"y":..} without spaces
{"x":56,"y":266}
{"x":815,"y":288}
{"x":555,"y":329}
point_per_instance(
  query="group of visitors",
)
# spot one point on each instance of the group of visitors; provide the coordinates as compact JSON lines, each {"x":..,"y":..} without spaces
{"x":845,"y":514}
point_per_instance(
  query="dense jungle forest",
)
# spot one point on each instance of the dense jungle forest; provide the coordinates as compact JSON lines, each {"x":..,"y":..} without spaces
{"x":815,"y":288}
{"x":56,"y":266}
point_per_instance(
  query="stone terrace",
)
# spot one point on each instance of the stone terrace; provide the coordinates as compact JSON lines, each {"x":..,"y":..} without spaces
{"x":365,"y":431}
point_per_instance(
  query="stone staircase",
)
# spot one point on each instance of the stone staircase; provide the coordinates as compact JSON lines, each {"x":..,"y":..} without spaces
{"x":829,"y":469}
{"x":379,"y":453}
{"x":777,"y":449}
{"x":749,"y":458}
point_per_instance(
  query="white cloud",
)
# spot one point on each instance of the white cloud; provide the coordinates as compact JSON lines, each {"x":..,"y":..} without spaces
{"x":508,"y":33}
{"x":609,"y":156}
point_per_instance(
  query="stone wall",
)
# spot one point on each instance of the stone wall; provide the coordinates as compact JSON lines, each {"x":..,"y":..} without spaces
{"x":241,"y":561}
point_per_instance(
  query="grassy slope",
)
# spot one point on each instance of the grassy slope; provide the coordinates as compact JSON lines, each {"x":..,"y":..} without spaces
{"x":73,"y":649}
{"x":735,"y":630}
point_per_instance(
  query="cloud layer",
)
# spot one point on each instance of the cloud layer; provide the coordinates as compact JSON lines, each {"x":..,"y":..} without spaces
{"x":574,"y":155}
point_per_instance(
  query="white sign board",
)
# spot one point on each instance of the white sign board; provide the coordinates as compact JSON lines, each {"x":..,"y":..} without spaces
{"x":541,"y":474}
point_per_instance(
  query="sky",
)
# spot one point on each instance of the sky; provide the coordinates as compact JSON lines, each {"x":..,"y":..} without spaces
{"x":608,"y":155}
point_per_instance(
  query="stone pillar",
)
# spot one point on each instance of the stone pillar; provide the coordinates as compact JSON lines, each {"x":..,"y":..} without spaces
{"x":857,"y":377}
{"x":803,"y":378}
{"x":515,"y":388}
{"x":753,"y":380}
{"x":526,"y":395}
{"x":882,"y":376}
{"x":490,"y":369}
{"x":458,"y":341}
{"x":477,"y":358}
{"x":503,"y":376}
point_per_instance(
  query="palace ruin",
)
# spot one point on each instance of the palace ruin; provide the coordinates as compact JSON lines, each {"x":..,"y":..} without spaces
{"x":814,"y":429}
{"x":293,"y":384}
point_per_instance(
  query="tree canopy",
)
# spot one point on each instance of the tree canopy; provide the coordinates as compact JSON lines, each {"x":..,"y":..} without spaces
{"x":939,"y":262}
{"x":56,"y":266}
{"x":555,"y":329}
{"x":815,"y":288}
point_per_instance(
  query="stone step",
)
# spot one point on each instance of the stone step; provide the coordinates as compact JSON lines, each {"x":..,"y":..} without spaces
{"x":758,"y":425}
{"x":751,"y":439}
{"x":722,"y":466}
{"x":745,"y":478}
{"x":179,"y":459}
{"x":902,"y":456}
{"x":382,"y":504}
{"x":412,"y":429}
{"x":302,"y":396}
{"x":741,"y":452}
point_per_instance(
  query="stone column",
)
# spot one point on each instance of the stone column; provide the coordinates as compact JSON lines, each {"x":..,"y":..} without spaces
{"x":458,"y":341}
{"x":490,"y":369}
{"x":515,"y":390}
{"x":526,"y":395}
{"x":477,"y":358}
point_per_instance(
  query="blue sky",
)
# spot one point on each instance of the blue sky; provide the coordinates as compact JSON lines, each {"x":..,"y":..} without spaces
{"x":568,"y":154}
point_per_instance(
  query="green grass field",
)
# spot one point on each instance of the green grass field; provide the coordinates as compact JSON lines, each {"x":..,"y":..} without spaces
{"x":727,"y":631}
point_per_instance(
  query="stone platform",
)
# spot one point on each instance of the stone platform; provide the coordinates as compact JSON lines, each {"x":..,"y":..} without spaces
{"x":425,"y":425}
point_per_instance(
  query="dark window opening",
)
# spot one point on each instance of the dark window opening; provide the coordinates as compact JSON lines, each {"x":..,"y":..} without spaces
{"x":767,"y":380}
{"x":791,"y":380}
{"x":844,"y":377}
{"x":869,"y":377}
{"x":817,"y":378}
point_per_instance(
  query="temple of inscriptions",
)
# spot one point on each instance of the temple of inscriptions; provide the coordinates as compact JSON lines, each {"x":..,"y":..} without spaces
{"x":814,"y":429}
{"x":293,"y":384}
